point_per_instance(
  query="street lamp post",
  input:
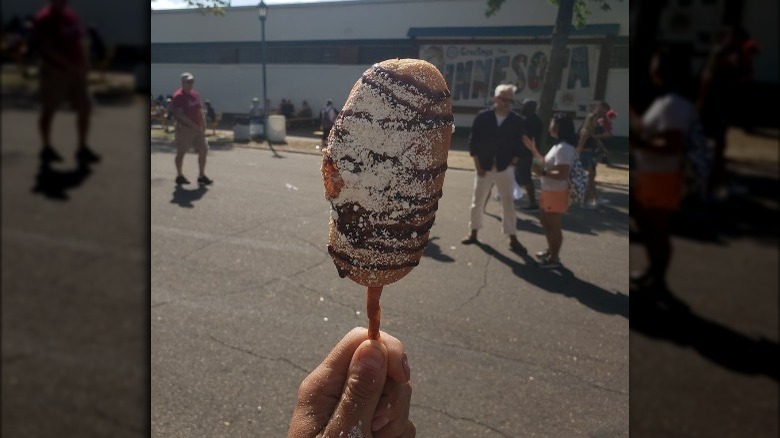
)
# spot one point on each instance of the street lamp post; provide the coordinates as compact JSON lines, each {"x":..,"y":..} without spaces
{"x":262,"y":13}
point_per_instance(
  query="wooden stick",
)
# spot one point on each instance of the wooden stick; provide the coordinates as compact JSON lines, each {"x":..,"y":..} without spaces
{"x":374,"y":311}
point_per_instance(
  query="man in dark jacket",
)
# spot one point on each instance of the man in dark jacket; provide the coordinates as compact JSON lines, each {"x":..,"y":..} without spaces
{"x":496,"y":145}
{"x":532,"y":126}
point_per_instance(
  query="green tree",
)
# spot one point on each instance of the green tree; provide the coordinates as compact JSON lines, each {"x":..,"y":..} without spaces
{"x":571,"y":13}
{"x":216,"y":7}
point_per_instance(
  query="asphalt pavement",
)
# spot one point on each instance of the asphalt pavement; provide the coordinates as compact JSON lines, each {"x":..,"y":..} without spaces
{"x":246,"y":302}
{"x":74,"y":276}
{"x":709,"y":364}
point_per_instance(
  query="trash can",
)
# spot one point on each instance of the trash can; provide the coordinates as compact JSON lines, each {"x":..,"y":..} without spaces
{"x":277,"y":128}
{"x":241,"y":130}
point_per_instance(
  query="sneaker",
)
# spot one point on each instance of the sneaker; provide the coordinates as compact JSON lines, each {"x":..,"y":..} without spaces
{"x":531,"y":207}
{"x":48,"y":154}
{"x":85,"y":155}
{"x":182,"y":180}
{"x":589,"y":205}
{"x":543,"y":254}
{"x":205,"y":181}
{"x":549,"y":263}
{"x":516,"y":246}
{"x":602,"y":201}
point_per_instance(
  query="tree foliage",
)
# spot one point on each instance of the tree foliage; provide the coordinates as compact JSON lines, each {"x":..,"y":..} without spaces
{"x":582,"y":9}
{"x":571,"y":13}
{"x":216,"y":7}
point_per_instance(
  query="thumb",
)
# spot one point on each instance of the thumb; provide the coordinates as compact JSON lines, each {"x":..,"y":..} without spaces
{"x":362,"y":390}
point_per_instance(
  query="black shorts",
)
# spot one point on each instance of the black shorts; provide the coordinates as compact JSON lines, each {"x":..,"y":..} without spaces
{"x":325,"y":132}
{"x":523,"y":170}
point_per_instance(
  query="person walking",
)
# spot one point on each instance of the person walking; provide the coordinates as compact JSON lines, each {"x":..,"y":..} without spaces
{"x":554,"y":171}
{"x":495,"y":143}
{"x":190,"y":128}
{"x":604,"y":126}
{"x":211,"y":115}
{"x":532,"y":126}
{"x":59,"y":38}
{"x":327,"y":119}
{"x":587,"y":147}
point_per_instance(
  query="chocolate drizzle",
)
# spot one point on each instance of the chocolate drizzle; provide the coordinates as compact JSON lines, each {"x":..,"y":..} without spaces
{"x":360,"y":228}
{"x":403,"y":81}
{"x":422,"y":121}
{"x":346,"y":258}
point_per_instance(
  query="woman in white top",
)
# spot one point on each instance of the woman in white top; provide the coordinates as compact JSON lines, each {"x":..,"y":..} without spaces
{"x":657,"y":144}
{"x":554,"y":171}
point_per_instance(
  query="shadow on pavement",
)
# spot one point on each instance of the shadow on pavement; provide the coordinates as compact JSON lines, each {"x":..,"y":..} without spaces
{"x":750,"y":214}
{"x":168,"y":147}
{"x":605,"y":218}
{"x":434,"y":251}
{"x":579,"y":220}
{"x":185,"y":198}
{"x":663,"y":316}
{"x":563,"y":281}
{"x":271,"y":146}
{"x":53,"y":184}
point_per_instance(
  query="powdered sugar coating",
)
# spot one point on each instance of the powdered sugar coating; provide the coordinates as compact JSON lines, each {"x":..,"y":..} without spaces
{"x":384,"y":169}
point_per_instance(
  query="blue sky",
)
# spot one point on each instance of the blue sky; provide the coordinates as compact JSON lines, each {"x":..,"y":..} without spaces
{"x":178,"y":4}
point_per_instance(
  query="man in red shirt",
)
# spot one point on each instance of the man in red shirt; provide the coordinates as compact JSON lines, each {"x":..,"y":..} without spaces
{"x":64,"y":68}
{"x":190,"y":128}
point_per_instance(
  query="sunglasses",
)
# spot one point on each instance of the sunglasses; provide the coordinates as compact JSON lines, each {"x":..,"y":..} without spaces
{"x":190,"y":81}
{"x":506,"y":100}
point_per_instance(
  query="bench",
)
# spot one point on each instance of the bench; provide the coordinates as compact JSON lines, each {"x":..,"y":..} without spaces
{"x":304,"y":122}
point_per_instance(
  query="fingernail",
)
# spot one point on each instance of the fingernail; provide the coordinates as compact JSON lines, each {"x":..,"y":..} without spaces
{"x":407,"y":370}
{"x":379,"y":422}
{"x":371,"y":356}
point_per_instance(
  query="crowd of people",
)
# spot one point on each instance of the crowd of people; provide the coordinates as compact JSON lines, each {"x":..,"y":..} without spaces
{"x":505,"y":147}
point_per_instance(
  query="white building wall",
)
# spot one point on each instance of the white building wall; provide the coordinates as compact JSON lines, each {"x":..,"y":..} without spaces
{"x":364,"y":19}
{"x":231,"y":87}
{"x":617,"y":97}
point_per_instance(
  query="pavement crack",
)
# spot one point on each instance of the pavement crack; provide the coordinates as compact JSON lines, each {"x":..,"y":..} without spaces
{"x":480,"y":289}
{"x":316,"y":247}
{"x":467,"y":419}
{"x":260,"y":356}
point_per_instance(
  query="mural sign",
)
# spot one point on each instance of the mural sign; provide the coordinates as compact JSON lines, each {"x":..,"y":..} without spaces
{"x":473,"y":71}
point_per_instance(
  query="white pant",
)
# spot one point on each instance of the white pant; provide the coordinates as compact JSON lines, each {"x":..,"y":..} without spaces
{"x":504,"y":182}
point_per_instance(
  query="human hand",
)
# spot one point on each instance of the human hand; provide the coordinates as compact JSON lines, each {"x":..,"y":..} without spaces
{"x":529,"y":143}
{"x":361,"y":389}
